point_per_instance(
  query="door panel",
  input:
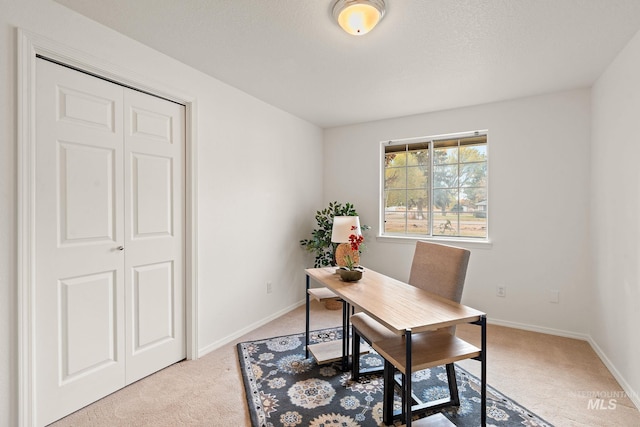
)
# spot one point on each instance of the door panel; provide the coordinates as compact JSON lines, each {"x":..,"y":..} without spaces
{"x":152,"y":195}
{"x":152,"y":125}
{"x":79,"y":274}
{"x":87,"y":185}
{"x":153,"y":317}
{"x":87,"y":324}
{"x":85,"y":108}
{"x":154,"y":208}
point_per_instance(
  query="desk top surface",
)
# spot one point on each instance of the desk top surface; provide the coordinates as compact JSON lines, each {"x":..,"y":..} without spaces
{"x":397,"y":305}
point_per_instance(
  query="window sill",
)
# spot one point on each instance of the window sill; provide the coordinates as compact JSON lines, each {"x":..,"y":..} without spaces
{"x":472,"y":243}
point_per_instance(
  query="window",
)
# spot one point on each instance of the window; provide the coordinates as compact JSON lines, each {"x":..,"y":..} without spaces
{"x":436,"y":187}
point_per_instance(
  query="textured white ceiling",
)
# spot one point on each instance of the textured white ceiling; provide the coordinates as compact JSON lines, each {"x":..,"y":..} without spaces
{"x":425,"y":55}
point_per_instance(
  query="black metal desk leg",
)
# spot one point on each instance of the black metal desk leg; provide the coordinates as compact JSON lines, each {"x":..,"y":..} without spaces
{"x":407,"y":379}
{"x":345,"y":335}
{"x":355,"y":360}
{"x":483,"y":369}
{"x":306,"y":335}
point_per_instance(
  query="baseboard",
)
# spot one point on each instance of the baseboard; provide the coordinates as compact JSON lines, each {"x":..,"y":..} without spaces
{"x":542,"y":330}
{"x":237,"y":334}
{"x":631,"y":394}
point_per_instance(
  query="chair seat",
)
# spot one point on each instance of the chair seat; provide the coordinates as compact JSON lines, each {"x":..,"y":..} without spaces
{"x":370,"y":329}
{"x":429,"y":349}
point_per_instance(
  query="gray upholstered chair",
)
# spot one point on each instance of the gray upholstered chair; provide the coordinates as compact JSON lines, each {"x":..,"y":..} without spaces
{"x":436,"y":268}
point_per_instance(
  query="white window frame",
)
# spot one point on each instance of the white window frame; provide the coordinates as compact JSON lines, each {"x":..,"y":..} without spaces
{"x":481,"y":241}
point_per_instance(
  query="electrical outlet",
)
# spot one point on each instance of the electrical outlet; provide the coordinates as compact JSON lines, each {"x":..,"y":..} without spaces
{"x":501,"y":291}
{"x":269,"y":287}
{"x":554,"y":296}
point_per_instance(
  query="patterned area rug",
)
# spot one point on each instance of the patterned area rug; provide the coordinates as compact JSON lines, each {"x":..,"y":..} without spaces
{"x":285,"y":389}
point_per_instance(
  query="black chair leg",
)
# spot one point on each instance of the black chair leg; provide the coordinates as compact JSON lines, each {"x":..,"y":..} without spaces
{"x":403,"y":416}
{"x":387,"y":394}
{"x":453,"y":385}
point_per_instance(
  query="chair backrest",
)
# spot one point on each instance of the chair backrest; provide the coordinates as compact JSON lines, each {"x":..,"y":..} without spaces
{"x":439,"y":269}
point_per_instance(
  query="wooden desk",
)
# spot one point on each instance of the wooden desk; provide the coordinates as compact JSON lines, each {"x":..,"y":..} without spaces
{"x":405,"y":310}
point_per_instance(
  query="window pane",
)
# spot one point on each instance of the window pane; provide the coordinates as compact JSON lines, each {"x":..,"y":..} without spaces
{"x":419,"y":158}
{"x":443,"y":201}
{"x":445,"y":225}
{"x":395,"y":199}
{"x":446,"y":204}
{"x":395,"y":211}
{"x":418,"y":226}
{"x":473,"y":199}
{"x":395,"y":220}
{"x":417,"y":177}
{"x":446,"y":155}
{"x":445,"y":176}
{"x":395,"y":172}
{"x":398,"y":159}
{"x":473,"y":153}
{"x":395,"y":177}
{"x":473,"y":224}
{"x":418,"y":203}
{"x":389,"y":159}
{"x":473,"y":174}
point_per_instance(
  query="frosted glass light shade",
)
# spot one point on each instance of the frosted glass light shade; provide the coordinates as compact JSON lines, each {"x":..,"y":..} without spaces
{"x":358,"y":17}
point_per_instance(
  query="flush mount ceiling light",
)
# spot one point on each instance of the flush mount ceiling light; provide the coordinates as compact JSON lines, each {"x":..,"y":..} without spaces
{"x":358,"y":17}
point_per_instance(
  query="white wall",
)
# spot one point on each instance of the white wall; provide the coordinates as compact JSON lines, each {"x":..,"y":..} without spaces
{"x":538,"y":196}
{"x":259,"y":184}
{"x":539,"y":222}
{"x":615,"y":303}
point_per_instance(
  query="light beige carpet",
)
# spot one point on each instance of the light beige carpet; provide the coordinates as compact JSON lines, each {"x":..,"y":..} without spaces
{"x":556,"y":378}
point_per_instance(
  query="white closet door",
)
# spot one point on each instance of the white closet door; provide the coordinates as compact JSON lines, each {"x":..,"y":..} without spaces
{"x":153,"y":149}
{"x":109,"y":292}
{"x":79,"y":295}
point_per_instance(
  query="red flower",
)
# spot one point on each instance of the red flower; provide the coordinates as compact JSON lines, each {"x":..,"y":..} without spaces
{"x":355,"y":241}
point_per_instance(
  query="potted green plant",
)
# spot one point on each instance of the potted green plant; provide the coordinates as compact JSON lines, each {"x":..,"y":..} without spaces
{"x":320,"y":242}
